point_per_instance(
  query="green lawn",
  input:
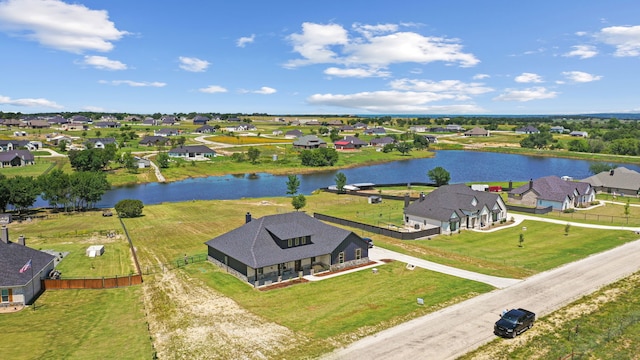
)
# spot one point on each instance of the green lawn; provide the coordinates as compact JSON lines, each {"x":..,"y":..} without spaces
{"x":79,"y":324}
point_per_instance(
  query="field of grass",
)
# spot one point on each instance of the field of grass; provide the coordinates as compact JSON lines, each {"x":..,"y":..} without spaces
{"x":334,"y":308}
{"x":606,"y":214}
{"x":79,"y":324}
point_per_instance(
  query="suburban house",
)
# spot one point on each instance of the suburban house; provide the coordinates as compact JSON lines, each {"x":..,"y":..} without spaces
{"x":107,"y":124}
{"x":529,"y":129}
{"x":6,"y":145}
{"x":346,"y":128}
{"x":349,"y":143}
{"x":154,"y":140}
{"x":241,"y":127}
{"x":620,"y":181}
{"x":557,"y":129}
{"x":380,"y":142}
{"x":454,"y":127}
{"x":16,"y":158}
{"x":74,"y":126}
{"x":166,"y":132}
{"x":432,"y":139}
{"x":38,"y":124}
{"x":360,"y":125}
{"x":168,"y":120}
{"x":80,"y":119}
{"x":476,"y":131}
{"x":150,"y":121}
{"x":583,"y":134}
{"x":555,"y":192}
{"x":376,"y":131}
{"x":455,"y":207}
{"x":200,"y":120}
{"x":100,"y":143}
{"x":292,"y":134}
{"x":21,"y":269}
{"x":284,"y":246}
{"x":418,"y":128}
{"x":309,"y":142}
{"x":192,"y":152}
{"x":141,"y":163}
{"x":57,"y":121}
{"x":206,"y":129}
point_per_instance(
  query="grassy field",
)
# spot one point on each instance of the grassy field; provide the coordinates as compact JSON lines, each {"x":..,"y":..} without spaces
{"x":79,"y":324}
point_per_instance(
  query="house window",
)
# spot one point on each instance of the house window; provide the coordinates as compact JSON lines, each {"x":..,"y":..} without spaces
{"x":358,"y":254}
{"x":260,"y":271}
{"x":5,"y":295}
{"x":313,"y":259}
{"x":454,"y":226}
{"x":304,"y":240}
{"x":290,"y":242}
{"x":297,"y":241}
{"x":341,"y":257}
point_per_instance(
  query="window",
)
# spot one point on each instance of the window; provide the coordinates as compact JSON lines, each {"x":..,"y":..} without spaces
{"x":358,"y":254}
{"x":304,"y":240}
{"x":297,"y":241}
{"x":260,"y":271}
{"x":341,"y":258}
{"x":290,"y":243}
{"x":5,"y":295}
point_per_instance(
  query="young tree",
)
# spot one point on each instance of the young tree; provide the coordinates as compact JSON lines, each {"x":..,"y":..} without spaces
{"x":521,"y":240}
{"x":129,"y":208}
{"x":566,"y":229}
{"x":341,"y":181}
{"x":129,"y":162}
{"x":404,"y":147}
{"x":299,"y":201}
{"x":439,"y":176}
{"x":163,"y":160}
{"x":627,"y":211}
{"x":293,"y":183}
{"x":598,"y":167}
{"x":253,"y":154}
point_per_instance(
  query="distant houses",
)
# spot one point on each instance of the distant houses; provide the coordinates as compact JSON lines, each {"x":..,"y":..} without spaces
{"x":192,"y":152}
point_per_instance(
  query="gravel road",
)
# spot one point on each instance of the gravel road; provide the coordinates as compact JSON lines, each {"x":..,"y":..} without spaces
{"x":458,"y":329}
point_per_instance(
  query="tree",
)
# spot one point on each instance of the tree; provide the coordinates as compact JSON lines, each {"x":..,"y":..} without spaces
{"x":253,"y":154}
{"x":538,"y":141}
{"x":5,"y":193}
{"x":521,"y":240}
{"x":62,"y":146}
{"x":129,"y":208}
{"x":598,"y":167}
{"x":293,"y":183}
{"x":627,"y":211}
{"x":387,"y":148}
{"x":420,"y":142}
{"x":56,"y":188}
{"x":319,"y":157}
{"x":566,"y":229}
{"x":404,"y":147}
{"x":87,"y":188}
{"x":23,"y":192}
{"x":163,"y":160}
{"x":299,"y":201}
{"x":341,"y":181}
{"x":129,"y":162}
{"x":439,"y":176}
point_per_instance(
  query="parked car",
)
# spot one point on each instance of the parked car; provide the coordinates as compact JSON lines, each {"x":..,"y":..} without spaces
{"x":514,"y":322}
{"x":369,"y":241}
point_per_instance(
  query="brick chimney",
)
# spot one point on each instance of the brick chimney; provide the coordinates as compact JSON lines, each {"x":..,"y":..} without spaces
{"x":247,"y":218}
{"x":22,"y":240}
{"x":4,"y":234}
{"x":406,"y":199}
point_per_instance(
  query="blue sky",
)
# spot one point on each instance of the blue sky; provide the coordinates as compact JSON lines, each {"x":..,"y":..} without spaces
{"x":320,"y":57}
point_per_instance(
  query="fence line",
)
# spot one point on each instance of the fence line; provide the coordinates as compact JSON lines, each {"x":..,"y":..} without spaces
{"x":378,"y":230}
{"x":160,"y":268}
{"x":92,"y":283}
{"x":133,"y":250}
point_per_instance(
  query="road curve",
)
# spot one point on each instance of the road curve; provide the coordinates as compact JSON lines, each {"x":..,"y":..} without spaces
{"x":458,"y":329}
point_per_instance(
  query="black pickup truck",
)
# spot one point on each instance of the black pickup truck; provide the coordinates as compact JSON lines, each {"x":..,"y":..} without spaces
{"x":514,"y":322}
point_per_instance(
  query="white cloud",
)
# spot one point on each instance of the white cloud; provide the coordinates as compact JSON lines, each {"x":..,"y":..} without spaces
{"x":243,"y":41}
{"x":212,"y":89}
{"x":104,"y":63}
{"x":193,"y":64}
{"x":582,"y":51}
{"x":134,"y":83}
{"x":331,"y":44}
{"x":94,"y":108}
{"x":56,"y":24}
{"x":535,"y":93}
{"x":528,"y":78}
{"x":265,"y":90}
{"x":480,"y":76}
{"x":356,"y":72}
{"x":580,"y":76}
{"x":28,"y":102}
{"x":456,"y":88}
{"x":393,"y":102}
{"x":626,"y":39}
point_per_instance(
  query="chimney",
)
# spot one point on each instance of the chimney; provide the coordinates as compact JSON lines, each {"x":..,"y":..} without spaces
{"x":4,"y":234}
{"x":406,"y":200}
{"x":421,"y":196}
{"x":530,"y":184}
{"x":611,"y":172}
{"x":510,"y":185}
{"x":22,"y":240}
{"x":247,"y":218}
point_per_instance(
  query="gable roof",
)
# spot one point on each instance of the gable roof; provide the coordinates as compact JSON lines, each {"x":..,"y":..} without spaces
{"x":152,"y":139}
{"x":442,"y":203}
{"x":255,"y":243}
{"x":620,"y":178}
{"x":192,"y":149}
{"x":554,"y":188}
{"x":13,"y":256}
{"x":6,"y":156}
{"x":308,"y":140}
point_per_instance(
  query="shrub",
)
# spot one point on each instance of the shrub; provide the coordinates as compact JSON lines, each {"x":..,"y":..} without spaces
{"x":129,"y":208}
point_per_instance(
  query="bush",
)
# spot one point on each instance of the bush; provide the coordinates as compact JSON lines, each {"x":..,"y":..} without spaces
{"x":129,"y":208}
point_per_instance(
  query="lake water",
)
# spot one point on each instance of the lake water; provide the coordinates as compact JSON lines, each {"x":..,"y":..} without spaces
{"x":464,"y":166}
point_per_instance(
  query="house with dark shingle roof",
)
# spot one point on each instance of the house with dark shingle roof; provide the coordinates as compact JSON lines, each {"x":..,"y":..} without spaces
{"x":13,"y":158}
{"x":206,"y":129}
{"x":16,"y":287}
{"x":555,"y":192}
{"x":292,"y":134}
{"x":192,"y":152}
{"x":529,"y":129}
{"x":283,"y":246}
{"x":200,"y":120}
{"x":100,"y":143}
{"x":380,"y":142}
{"x":309,"y":142}
{"x":476,"y":131}
{"x":616,"y":181}
{"x":154,"y":140}
{"x":349,"y":143}
{"x":376,"y":131}
{"x":455,"y":207}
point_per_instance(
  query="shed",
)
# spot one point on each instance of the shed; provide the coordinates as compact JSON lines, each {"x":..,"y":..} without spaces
{"x":95,"y":250}
{"x":375,"y":199}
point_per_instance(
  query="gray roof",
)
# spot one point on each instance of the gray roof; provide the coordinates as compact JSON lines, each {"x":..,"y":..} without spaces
{"x":107,"y":140}
{"x":6,"y":156}
{"x":151,"y":139}
{"x":554,"y":188}
{"x":446,"y":200}
{"x":619,"y":178}
{"x":13,"y":256}
{"x":308,"y":140}
{"x":256,"y":243}
{"x":192,"y":149}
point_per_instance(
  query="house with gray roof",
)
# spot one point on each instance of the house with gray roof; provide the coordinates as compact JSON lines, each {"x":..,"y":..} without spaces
{"x":529,"y":129}
{"x":13,"y":158}
{"x":192,"y":152}
{"x":206,"y":129}
{"x":309,"y":142}
{"x":283,"y":246}
{"x":476,"y":131}
{"x":616,"y":181}
{"x":154,"y":140}
{"x":292,"y":134}
{"x":455,"y":207}
{"x":19,"y":285}
{"x":100,"y":143}
{"x":555,"y":192}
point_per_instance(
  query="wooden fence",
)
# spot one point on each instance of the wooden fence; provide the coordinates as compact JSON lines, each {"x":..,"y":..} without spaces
{"x":99,"y":283}
{"x":379,"y":230}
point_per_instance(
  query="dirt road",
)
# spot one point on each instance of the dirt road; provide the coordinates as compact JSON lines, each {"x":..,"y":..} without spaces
{"x":455,"y":330}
